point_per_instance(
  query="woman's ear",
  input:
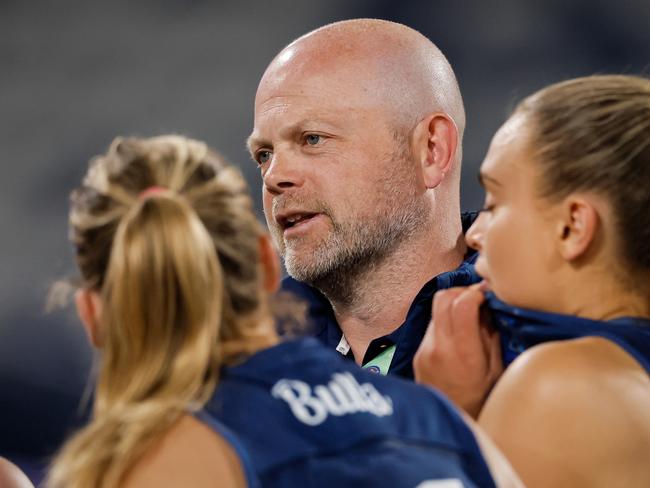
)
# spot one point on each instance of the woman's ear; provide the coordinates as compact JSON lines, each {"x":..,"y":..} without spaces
{"x":89,"y":309}
{"x":577,"y":227}
{"x":270,"y":264}
{"x":435,"y":141}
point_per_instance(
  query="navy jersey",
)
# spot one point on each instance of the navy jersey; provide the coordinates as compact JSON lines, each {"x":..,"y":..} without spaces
{"x":521,"y":329}
{"x":307,"y":417}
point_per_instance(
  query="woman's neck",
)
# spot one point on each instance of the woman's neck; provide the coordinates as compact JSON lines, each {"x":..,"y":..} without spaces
{"x":256,"y":333}
{"x":605,"y":300}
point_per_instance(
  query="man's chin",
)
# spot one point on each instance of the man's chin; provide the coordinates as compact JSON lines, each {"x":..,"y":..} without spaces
{"x":302,"y":267}
{"x":299,"y":270}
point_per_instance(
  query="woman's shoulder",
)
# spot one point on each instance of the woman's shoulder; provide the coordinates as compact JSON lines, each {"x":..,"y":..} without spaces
{"x":594,"y":362}
{"x":591,"y":375}
{"x":567,"y":404}
{"x":190,"y":453}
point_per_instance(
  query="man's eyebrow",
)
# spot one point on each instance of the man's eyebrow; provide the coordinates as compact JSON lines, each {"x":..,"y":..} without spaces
{"x":287,"y":132}
{"x":253,"y":141}
{"x":484,"y":178}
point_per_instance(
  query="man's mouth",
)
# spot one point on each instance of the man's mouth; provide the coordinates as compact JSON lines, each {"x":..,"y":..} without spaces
{"x":294,"y":219}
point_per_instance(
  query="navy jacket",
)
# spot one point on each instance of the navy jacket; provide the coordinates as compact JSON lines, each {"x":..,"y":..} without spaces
{"x":407,"y":336}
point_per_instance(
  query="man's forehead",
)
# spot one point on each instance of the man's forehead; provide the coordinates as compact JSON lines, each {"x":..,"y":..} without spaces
{"x":307,"y":56}
{"x":314,"y":82}
{"x":300,"y":68}
{"x":299,"y":87}
{"x":317,"y":94}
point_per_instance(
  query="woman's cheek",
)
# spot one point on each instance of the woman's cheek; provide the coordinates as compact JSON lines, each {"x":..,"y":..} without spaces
{"x":481,"y":266}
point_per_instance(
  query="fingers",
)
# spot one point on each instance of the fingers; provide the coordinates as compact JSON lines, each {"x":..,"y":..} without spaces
{"x":437,"y":341}
{"x":441,"y":315}
{"x":455,"y":315}
{"x":459,"y":355}
{"x":465,"y":312}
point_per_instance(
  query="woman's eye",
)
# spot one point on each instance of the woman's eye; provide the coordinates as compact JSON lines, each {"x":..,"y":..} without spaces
{"x":488,"y":205}
{"x":263,"y":157}
{"x":312,"y":139}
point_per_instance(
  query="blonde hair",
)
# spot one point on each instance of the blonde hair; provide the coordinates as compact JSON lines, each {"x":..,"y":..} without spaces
{"x":178,"y":273}
{"x":593,"y":134}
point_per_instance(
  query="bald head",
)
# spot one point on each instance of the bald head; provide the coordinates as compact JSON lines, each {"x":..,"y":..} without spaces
{"x":375,"y":62}
{"x":357,"y":137}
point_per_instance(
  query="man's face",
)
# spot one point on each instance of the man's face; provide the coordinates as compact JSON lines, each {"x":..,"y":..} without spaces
{"x":339,"y":187}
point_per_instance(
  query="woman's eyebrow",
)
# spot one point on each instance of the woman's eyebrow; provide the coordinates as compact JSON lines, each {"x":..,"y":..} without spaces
{"x":484,"y":178}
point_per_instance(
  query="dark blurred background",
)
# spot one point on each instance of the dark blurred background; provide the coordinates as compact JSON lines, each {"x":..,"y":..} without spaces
{"x":74,"y":74}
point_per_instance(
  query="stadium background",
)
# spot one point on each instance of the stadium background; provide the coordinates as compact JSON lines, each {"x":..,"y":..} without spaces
{"x":73,"y":74}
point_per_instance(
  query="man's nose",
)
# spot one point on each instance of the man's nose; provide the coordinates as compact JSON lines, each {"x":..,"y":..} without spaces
{"x":284,"y":173}
{"x":474,"y":235}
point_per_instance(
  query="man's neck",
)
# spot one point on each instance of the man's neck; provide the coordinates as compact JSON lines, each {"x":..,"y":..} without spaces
{"x":384,"y":293}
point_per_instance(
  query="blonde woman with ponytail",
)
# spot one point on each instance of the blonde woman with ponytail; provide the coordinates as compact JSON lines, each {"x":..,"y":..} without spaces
{"x":153,"y":300}
{"x":194,"y":388}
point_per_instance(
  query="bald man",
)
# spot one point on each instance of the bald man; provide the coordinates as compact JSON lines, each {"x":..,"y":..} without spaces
{"x":358,"y":130}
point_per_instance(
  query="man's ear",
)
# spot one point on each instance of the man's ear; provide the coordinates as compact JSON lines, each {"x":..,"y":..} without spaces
{"x":89,"y":309}
{"x":436,"y":141}
{"x":579,"y":221}
{"x":270,"y":264}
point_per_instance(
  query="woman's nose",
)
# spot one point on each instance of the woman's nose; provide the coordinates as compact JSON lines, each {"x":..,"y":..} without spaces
{"x":474,"y":235}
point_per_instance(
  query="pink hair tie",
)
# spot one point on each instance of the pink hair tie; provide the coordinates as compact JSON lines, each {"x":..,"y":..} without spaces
{"x":152,"y":190}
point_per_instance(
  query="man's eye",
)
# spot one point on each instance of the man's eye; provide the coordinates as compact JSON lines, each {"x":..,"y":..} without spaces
{"x":312,"y":139}
{"x":263,"y":157}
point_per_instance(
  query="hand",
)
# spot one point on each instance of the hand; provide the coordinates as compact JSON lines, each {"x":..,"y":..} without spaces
{"x":460,"y":354}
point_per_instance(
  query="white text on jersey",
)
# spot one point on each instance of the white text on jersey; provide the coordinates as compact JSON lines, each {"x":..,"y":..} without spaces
{"x":343,"y":395}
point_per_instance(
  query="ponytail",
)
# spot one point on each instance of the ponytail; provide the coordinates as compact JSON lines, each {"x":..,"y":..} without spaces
{"x":177,"y":269}
{"x":163,"y":300}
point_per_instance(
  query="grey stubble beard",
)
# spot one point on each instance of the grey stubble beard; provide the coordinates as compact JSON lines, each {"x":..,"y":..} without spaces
{"x":352,"y":249}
